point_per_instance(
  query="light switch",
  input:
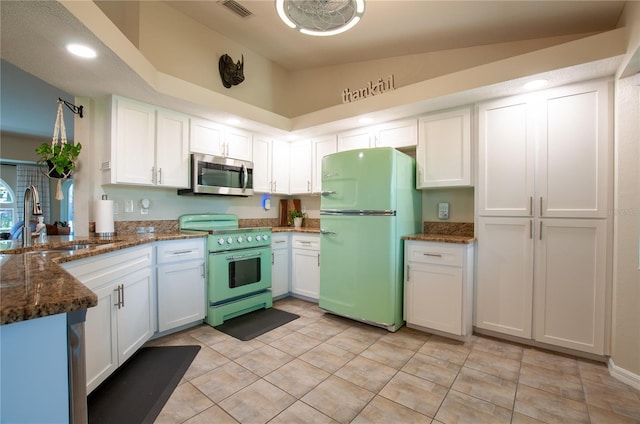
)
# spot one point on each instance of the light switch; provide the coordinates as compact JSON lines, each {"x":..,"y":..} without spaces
{"x":443,"y":211}
{"x":128,"y":206}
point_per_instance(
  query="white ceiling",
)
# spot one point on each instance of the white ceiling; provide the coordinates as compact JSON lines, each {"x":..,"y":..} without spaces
{"x":392,"y":28}
{"x":33,"y":35}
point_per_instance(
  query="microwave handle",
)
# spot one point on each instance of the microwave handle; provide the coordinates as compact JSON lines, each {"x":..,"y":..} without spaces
{"x":245,"y":177}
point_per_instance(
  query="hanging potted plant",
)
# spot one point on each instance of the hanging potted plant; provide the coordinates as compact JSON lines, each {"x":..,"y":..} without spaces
{"x":59,"y":156}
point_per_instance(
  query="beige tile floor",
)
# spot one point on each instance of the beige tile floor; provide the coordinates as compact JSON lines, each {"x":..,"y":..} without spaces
{"x":325,"y":369}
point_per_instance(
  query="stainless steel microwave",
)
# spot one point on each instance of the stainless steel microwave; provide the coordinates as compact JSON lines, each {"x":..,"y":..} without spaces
{"x":219,"y":175}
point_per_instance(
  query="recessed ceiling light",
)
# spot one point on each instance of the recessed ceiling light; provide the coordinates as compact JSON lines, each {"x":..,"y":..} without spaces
{"x":535,"y":84}
{"x":81,"y":51}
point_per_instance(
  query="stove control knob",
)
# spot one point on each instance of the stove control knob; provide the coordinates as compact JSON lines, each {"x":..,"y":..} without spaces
{"x":221,"y":241}
{"x":249,"y":238}
{"x":265,"y":237}
{"x":258,"y":238}
{"x":229,"y":240}
{"x":239,"y":239}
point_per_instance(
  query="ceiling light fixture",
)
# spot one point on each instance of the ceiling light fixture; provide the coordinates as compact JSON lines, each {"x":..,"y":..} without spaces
{"x":81,"y":51}
{"x":320,"y":17}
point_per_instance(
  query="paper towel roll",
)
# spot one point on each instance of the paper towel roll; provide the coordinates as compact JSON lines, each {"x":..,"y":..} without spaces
{"x":103,"y":210}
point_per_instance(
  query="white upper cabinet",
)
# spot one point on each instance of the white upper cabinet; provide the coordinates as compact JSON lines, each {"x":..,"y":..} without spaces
{"x":573,"y":152}
{"x":443,"y":154}
{"x":300,"y":167}
{"x":359,"y":138}
{"x":172,"y":152}
{"x":215,"y":139}
{"x":206,"y":137}
{"x":321,"y":147}
{"x":280,"y":167}
{"x":569,"y":129}
{"x":238,"y":144}
{"x":397,"y":134}
{"x":506,"y":157}
{"x":262,"y":164}
{"x":149,"y":146}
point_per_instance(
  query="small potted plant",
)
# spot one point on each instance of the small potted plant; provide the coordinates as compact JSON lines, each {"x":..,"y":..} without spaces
{"x":59,"y":157}
{"x":295,"y":218}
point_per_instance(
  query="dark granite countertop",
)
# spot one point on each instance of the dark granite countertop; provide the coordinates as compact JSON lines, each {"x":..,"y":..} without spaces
{"x":311,"y":230}
{"x":34,"y":285}
{"x":441,"y":238}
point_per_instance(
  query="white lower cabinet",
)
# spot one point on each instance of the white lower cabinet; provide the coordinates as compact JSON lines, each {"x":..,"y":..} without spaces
{"x":305,"y":265}
{"x":279,"y":265}
{"x":543,"y":279}
{"x":439,"y":287}
{"x":122,"y":321}
{"x":504,"y":280}
{"x":181,"y":283}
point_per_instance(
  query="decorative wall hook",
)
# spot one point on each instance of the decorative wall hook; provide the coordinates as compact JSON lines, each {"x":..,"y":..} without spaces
{"x":75,"y":109}
{"x":231,"y":73}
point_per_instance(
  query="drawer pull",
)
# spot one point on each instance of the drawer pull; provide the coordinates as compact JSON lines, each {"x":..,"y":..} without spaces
{"x":182,"y":252}
{"x":279,"y":241}
{"x":434,"y":255}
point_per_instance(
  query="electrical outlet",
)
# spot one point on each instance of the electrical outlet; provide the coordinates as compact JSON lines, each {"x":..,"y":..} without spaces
{"x":443,"y":211}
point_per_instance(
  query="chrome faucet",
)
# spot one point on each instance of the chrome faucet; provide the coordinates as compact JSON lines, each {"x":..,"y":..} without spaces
{"x":30,"y":194}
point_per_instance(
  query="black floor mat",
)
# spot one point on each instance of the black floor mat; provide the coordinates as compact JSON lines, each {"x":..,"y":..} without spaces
{"x":138,"y":390}
{"x":246,"y":327}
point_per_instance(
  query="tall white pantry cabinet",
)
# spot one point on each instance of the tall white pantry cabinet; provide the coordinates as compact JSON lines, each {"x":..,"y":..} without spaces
{"x":544,"y":169}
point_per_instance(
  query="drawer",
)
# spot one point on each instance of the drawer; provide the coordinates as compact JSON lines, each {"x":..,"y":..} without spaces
{"x":434,"y":253}
{"x":306,"y":242}
{"x":181,"y":250}
{"x":96,"y":271}
{"x":280,"y":241}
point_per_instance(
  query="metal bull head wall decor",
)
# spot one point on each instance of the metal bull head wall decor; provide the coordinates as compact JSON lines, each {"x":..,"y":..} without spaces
{"x":231,"y":73}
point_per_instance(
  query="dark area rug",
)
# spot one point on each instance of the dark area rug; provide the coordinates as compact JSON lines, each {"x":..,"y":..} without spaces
{"x":246,"y":327}
{"x":138,"y":390}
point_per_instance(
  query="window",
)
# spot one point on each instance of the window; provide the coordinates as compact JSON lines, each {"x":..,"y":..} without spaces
{"x":7,"y":207}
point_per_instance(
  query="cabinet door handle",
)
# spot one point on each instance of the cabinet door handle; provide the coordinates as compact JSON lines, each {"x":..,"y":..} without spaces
{"x":122,"y":291}
{"x":531,"y":229}
{"x":117,"y":290}
{"x":540,"y":206}
{"x":153,"y":175}
{"x":408,"y":274}
{"x":531,"y":205}
{"x":202,"y":270}
{"x":159,"y":175}
{"x":318,"y":259}
{"x":273,"y":259}
{"x":435,"y":255}
{"x":308,"y":186}
{"x":540,"y":230}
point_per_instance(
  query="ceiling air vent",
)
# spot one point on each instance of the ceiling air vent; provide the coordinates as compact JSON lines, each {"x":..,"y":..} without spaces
{"x":236,"y":8}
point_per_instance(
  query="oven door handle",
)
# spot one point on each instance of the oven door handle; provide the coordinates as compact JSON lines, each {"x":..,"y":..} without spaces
{"x":241,"y":257}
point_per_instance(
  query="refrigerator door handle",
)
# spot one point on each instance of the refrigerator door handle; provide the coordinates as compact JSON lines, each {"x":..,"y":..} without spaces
{"x":327,"y":193}
{"x":357,"y":212}
{"x":323,"y":231}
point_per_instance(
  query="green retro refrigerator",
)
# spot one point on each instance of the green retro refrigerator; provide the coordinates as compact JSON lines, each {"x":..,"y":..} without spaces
{"x":369,"y":201}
